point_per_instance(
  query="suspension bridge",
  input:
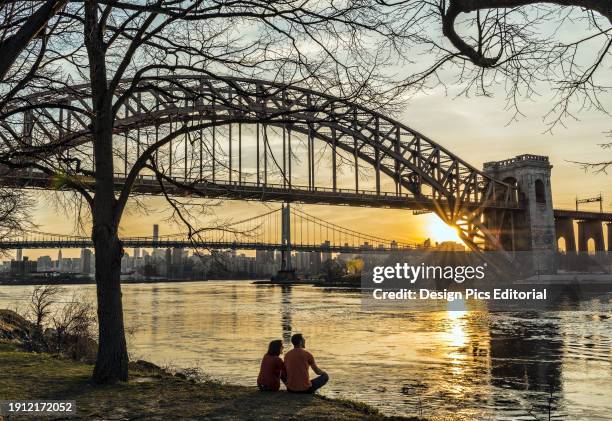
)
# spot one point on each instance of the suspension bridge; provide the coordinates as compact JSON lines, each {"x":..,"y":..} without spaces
{"x":284,"y":229}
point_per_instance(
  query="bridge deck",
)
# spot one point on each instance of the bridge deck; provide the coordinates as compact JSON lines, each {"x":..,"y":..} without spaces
{"x":583,"y":215}
{"x":279,"y":193}
{"x":149,"y":185}
{"x":213,"y":245}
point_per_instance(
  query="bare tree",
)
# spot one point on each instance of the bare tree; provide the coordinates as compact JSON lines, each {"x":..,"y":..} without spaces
{"x":601,"y":166}
{"x":26,"y":64}
{"x":14,"y":213}
{"x":42,"y":300}
{"x":23,"y":22}
{"x":74,"y":327}
{"x":126,"y":50}
{"x":26,"y":30}
{"x":133,"y":49}
{"x":524,"y":46}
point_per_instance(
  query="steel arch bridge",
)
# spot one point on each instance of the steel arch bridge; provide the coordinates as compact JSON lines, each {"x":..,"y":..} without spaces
{"x":249,"y":139}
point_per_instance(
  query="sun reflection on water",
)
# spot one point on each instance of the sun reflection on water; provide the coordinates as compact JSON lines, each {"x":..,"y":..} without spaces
{"x":456,"y":316}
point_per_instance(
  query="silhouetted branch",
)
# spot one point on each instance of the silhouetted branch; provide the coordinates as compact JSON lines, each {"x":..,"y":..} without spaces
{"x":597,"y":167}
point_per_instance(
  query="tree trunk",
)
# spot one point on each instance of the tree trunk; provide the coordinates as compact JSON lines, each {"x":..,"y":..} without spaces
{"x":111,"y":364}
{"x":112,"y":361}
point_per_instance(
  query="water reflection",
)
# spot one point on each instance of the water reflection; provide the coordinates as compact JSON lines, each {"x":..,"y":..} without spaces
{"x":459,"y":363}
{"x":286,"y":314}
{"x":457,"y":334}
{"x":527,"y":356}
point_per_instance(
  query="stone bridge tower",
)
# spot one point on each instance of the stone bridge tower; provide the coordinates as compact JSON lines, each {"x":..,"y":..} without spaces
{"x":534,"y":228}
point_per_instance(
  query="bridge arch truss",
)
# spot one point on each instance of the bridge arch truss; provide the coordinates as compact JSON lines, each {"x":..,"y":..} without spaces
{"x":252,"y":139}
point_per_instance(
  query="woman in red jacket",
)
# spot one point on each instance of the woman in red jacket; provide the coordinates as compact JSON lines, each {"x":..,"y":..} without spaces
{"x":272,"y":369}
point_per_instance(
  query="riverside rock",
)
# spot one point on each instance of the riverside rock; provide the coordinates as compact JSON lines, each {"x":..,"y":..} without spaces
{"x":14,"y":327}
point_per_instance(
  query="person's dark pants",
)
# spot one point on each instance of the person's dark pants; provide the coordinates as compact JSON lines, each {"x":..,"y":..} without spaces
{"x":315,"y":384}
{"x":318,"y":382}
{"x":263,"y":388}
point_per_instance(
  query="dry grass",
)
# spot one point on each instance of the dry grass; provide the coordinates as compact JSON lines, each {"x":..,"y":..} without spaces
{"x":155,"y":395}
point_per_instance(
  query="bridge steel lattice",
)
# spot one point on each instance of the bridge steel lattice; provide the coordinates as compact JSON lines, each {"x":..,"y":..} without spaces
{"x":249,"y":139}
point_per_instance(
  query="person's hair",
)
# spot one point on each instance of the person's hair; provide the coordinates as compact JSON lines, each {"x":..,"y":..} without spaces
{"x":297,"y":339}
{"x":274,"y":347}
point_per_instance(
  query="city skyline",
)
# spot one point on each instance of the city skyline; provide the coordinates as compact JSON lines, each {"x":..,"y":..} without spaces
{"x":177,"y":263}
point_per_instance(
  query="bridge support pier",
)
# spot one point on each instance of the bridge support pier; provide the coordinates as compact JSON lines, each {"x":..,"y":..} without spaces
{"x":590,"y":230}
{"x":564,"y":228}
{"x":533,"y":229}
{"x":609,"y":226}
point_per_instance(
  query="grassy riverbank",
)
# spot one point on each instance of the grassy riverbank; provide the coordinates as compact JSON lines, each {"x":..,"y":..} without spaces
{"x":153,"y":394}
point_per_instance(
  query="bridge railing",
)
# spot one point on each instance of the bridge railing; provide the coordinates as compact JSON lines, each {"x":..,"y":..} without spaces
{"x":36,"y":174}
{"x":187,"y":180}
{"x":211,"y":245}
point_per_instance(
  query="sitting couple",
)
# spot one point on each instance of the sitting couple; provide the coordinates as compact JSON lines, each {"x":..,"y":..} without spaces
{"x":293,"y":371}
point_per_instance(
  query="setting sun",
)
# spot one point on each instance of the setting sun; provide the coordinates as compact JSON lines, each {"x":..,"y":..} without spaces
{"x":438,"y":231}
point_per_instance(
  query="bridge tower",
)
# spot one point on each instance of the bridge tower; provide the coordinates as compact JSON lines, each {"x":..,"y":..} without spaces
{"x":286,"y":237}
{"x":534,"y":228}
{"x":286,"y":272}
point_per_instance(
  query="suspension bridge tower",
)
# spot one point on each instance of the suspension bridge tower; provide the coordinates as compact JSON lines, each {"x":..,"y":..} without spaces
{"x":286,"y":273}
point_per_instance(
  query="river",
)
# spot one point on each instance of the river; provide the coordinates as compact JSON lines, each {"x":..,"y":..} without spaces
{"x":459,"y":365}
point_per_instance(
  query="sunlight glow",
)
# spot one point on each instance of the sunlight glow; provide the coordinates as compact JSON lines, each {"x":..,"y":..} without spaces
{"x":456,"y":316}
{"x":438,"y":231}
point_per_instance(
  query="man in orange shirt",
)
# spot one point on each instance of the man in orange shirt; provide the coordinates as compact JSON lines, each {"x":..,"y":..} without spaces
{"x":297,"y":363}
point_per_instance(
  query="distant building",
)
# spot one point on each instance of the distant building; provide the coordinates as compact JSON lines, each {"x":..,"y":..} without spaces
{"x":69,"y":265}
{"x":19,"y":255}
{"x":155,"y":232}
{"x":449,"y":246}
{"x":85,"y":261}
{"x":177,"y":263}
{"x":326,"y":255}
{"x":265,"y":262}
{"x":168,"y":265}
{"x":366,"y":246}
{"x":44,"y":264}
{"x":23,"y":267}
{"x":158,"y":254}
{"x":59,"y":261}
{"x":315,"y":262}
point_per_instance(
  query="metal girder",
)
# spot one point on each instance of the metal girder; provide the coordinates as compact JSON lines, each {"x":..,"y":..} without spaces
{"x":459,"y":193}
{"x":223,"y":189}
